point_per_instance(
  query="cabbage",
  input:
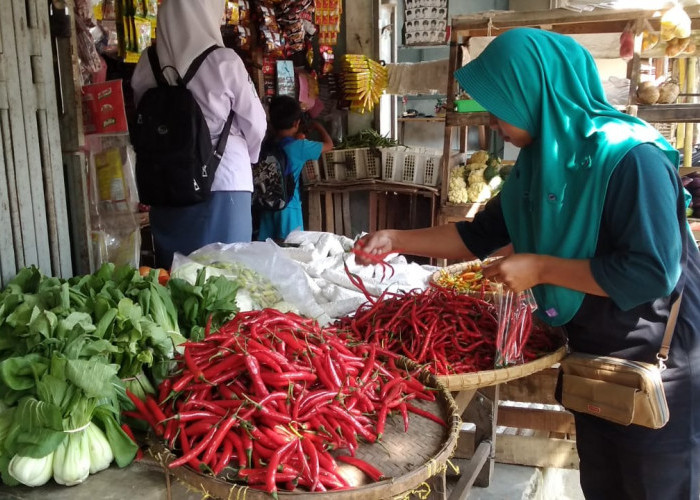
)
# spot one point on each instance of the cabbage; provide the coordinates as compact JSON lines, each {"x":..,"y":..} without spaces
{"x":100,"y":451}
{"x":71,"y":464}
{"x":31,"y":471}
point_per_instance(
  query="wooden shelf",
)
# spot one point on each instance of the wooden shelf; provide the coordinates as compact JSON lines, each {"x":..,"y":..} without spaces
{"x":558,"y":20}
{"x":455,"y":119}
{"x":424,"y":119}
{"x":669,"y":113}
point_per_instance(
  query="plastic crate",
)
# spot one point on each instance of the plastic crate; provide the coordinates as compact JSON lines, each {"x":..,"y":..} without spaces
{"x":311,"y":172}
{"x":334,"y":165}
{"x":393,"y":162}
{"x":422,"y":166}
{"x":345,"y":164}
{"x":373,"y":162}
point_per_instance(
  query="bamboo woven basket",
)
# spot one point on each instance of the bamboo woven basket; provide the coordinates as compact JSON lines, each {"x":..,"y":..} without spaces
{"x":486,"y":378}
{"x":409,"y":459}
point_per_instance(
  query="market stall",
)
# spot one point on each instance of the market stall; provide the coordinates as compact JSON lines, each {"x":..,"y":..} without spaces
{"x":225,"y":359}
{"x":263,"y":369}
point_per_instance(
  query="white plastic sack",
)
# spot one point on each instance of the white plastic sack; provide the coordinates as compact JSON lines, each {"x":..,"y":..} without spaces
{"x":267,"y":259}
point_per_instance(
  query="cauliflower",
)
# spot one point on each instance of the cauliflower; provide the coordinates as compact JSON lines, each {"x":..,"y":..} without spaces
{"x":479,"y":157}
{"x":479,"y":192}
{"x":475,"y":166}
{"x":476,"y":176}
{"x":457,"y":186}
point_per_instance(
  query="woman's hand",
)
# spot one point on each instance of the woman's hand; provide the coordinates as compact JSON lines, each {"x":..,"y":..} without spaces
{"x":517,"y":272}
{"x":521,"y":271}
{"x":379,"y":242}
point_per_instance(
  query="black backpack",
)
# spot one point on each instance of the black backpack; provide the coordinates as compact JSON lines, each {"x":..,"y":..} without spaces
{"x":273,"y":179}
{"x":175,"y":159}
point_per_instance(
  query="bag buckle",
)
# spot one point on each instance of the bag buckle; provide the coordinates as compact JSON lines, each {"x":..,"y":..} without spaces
{"x":662,"y":361}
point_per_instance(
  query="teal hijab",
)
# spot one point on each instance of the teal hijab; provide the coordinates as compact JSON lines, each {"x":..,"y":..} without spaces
{"x":548,"y":84}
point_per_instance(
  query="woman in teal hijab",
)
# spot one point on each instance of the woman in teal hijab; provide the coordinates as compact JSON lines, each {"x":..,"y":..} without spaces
{"x":594,"y":211}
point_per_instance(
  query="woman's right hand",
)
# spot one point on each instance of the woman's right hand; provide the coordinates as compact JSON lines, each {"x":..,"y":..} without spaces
{"x":379,"y":242}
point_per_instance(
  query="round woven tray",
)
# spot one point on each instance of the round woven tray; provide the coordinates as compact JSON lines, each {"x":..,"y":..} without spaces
{"x":485,"y":378}
{"x":408,"y":459}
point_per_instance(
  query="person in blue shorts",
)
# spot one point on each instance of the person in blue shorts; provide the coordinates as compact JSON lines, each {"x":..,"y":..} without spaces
{"x":285,"y":119}
{"x":595,"y":211}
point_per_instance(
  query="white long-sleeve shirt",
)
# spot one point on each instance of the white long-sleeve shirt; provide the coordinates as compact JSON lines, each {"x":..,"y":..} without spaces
{"x":221,"y":84}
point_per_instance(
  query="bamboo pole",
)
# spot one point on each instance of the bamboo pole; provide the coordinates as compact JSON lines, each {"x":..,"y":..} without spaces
{"x":683,"y":84}
{"x":690,"y":127}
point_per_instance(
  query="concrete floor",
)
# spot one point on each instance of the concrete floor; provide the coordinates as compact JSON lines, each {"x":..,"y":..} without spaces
{"x":140,"y":482}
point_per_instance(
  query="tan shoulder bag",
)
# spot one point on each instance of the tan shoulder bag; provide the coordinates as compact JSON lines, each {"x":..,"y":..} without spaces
{"x":619,"y":390}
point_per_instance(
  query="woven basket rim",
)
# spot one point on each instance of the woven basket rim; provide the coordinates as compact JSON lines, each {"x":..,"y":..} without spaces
{"x":459,"y":267}
{"x":486,"y":378}
{"x":387,"y":488}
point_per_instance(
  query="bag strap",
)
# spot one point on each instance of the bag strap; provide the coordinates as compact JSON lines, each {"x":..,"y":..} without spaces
{"x":155,"y":66}
{"x":221,"y":143}
{"x":670,"y":327}
{"x":662,"y":356}
{"x":194,"y":66}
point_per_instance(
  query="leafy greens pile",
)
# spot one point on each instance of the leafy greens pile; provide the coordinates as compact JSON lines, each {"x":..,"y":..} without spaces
{"x":69,"y":349}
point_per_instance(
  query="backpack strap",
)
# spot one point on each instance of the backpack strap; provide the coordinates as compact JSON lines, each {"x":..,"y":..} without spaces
{"x":197,"y":63}
{"x":221,"y":143}
{"x":155,"y":66}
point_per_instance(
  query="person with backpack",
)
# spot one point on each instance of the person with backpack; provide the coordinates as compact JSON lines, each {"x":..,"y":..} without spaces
{"x":188,"y":34}
{"x":285,"y":119}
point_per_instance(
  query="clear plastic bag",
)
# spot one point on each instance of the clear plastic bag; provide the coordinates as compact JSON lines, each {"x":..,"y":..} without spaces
{"x":514,"y":324}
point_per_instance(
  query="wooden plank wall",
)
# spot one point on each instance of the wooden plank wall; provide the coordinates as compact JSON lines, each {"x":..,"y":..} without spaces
{"x":33,"y":210}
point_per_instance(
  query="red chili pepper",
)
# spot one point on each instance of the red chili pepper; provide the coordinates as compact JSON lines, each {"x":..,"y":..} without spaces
{"x":332,"y":373}
{"x":373,"y":473}
{"x":404,"y":414}
{"x":192,"y":366}
{"x":254,"y":372}
{"x":381,"y":419}
{"x":271,"y":474}
{"x":283,"y":379}
{"x":310,"y":449}
{"x":195,"y":451}
{"x":164,"y":389}
{"x":156,"y":410}
{"x":426,"y":414}
{"x":182,"y":382}
{"x":145,"y":413}
{"x":218,"y":439}
{"x":202,"y":426}
{"x":247,"y":447}
{"x":224,"y":457}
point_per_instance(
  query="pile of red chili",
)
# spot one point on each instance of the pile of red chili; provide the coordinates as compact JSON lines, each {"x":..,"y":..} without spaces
{"x":448,"y":331}
{"x":270,"y":393}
